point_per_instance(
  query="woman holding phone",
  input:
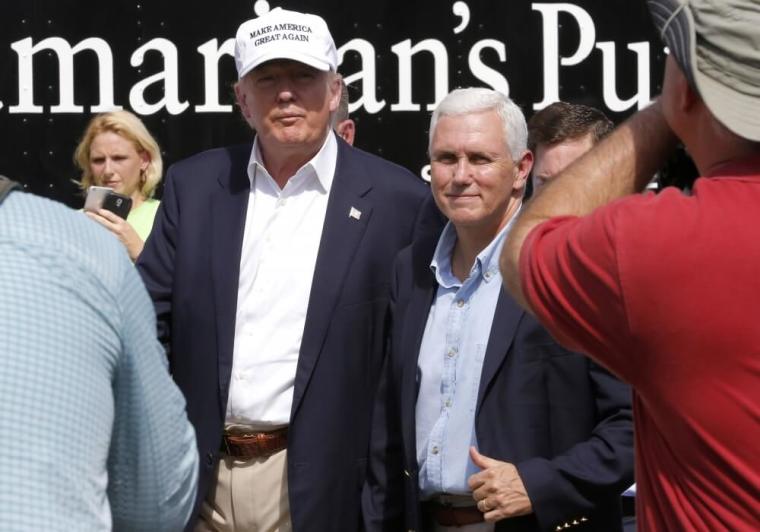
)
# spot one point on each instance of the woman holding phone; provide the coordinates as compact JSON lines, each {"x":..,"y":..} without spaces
{"x":118,"y":152}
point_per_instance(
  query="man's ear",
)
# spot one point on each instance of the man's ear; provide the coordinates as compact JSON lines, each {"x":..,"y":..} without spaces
{"x":523,"y":166}
{"x":346,"y":130}
{"x":336,"y":89}
{"x":240,"y":97}
{"x":688,"y":97}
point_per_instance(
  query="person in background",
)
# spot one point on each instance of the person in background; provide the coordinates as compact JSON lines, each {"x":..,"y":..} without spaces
{"x":269,"y":268}
{"x":93,"y":431}
{"x":663,"y":289}
{"x":341,"y":123}
{"x":559,"y":134}
{"x":117,"y":151}
{"x":482,"y":418}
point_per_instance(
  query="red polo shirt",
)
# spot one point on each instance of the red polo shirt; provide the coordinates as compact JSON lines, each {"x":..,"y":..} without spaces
{"x":664,"y":290}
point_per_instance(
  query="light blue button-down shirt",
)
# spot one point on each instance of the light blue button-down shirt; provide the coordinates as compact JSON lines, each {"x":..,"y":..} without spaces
{"x":93,"y":432}
{"x":450,"y":363}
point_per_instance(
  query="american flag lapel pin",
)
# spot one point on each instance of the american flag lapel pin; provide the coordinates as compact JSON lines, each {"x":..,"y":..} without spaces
{"x":354,"y":213}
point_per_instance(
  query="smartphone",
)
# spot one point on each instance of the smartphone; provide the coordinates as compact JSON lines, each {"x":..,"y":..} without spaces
{"x":106,"y":198}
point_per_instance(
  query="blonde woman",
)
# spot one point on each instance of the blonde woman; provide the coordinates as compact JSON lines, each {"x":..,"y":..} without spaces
{"x":118,"y":152}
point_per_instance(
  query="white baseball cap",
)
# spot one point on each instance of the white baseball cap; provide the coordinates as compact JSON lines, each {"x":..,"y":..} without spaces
{"x":284,"y":34}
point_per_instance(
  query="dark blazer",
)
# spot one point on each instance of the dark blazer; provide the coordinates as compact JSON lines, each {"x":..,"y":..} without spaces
{"x":190,"y":266}
{"x":562,"y":420}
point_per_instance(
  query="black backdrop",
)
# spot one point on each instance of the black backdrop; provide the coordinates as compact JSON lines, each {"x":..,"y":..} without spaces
{"x":38,"y":143}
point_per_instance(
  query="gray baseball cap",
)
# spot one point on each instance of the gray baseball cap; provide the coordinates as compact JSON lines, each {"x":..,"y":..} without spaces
{"x":717,"y":45}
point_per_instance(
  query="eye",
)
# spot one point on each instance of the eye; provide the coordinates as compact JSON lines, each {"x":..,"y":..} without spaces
{"x":97,"y":160}
{"x":480,"y":158}
{"x":264,"y":80}
{"x":305,"y":76}
{"x":445,"y":158}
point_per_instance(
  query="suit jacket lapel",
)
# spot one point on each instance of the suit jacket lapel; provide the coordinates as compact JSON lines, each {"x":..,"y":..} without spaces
{"x":348,"y":213}
{"x":505,"y":321}
{"x":414,"y":321}
{"x":228,"y":213}
{"x":414,"y":329}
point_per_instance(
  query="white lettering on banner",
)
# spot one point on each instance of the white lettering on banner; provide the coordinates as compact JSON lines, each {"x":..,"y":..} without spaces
{"x":462,"y":10}
{"x":485,"y":73}
{"x":404,"y":50}
{"x":367,"y":75}
{"x":552,"y":60}
{"x":170,"y":77}
{"x":65,"y":54}
{"x":609,"y":92}
{"x":485,"y":60}
{"x":211,"y":55}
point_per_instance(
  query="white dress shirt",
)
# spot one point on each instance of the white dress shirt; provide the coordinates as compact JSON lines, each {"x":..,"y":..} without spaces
{"x":283,"y":228}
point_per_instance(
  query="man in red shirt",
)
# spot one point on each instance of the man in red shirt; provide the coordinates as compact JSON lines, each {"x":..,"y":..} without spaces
{"x":664,"y":290}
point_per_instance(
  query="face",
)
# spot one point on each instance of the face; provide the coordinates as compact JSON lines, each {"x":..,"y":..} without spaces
{"x":288,"y":104}
{"x":474,"y":180}
{"x":552,"y":159}
{"x":116,"y":163}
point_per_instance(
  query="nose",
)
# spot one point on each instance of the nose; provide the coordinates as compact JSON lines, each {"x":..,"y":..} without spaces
{"x":285,"y":92}
{"x":462,"y":171}
{"x":107,"y":167}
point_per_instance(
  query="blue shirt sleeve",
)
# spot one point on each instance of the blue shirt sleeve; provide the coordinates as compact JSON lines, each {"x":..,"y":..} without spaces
{"x":153,"y":459}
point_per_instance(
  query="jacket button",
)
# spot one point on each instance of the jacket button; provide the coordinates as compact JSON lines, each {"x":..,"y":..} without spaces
{"x":209,"y":458}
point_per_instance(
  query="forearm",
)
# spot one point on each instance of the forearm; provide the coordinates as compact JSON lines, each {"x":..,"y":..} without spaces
{"x":620,"y":165}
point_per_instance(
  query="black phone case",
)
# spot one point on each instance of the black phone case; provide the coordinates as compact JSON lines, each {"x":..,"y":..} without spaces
{"x":118,"y":204}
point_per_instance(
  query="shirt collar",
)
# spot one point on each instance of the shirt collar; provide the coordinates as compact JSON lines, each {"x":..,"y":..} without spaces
{"x":486,"y":263}
{"x":322,"y":164}
{"x":744,"y":167}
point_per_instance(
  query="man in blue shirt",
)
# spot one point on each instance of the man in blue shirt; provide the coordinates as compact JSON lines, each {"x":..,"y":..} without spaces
{"x":93,"y":431}
{"x":483,"y":422}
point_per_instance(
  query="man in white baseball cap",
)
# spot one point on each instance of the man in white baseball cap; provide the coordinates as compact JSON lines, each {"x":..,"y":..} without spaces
{"x":663,"y":289}
{"x":269,"y":266}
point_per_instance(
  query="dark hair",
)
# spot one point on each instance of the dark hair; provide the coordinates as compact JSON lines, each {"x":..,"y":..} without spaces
{"x":563,"y":121}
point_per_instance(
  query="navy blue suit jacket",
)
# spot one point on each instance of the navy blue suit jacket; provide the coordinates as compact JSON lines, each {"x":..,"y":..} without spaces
{"x":190,"y":266}
{"x":561,"y":419}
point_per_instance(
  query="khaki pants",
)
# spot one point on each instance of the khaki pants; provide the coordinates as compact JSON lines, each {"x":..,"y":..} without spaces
{"x":248,"y":495}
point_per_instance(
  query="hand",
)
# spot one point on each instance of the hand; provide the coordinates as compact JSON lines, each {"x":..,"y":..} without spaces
{"x":498,"y":489}
{"x":121,"y":228}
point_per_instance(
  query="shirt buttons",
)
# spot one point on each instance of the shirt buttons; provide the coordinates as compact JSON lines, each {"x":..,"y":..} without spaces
{"x":488,"y":275}
{"x":460,"y":303}
{"x":434,"y":450}
{"x":452,"y":352}
{"x":281,"y":202}
{"x":448,"y":403}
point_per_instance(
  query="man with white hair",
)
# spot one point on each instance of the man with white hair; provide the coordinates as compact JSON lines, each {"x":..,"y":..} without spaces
{"x":481,"y":417}
{"x":664,"y":290}
{"x":269,"y":266}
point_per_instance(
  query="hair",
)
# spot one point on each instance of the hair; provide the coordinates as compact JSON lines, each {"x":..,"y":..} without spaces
{"x":131,"y":128}
{"x":562,"y":121}
{"x":478,"y":99}
{"x":341,"y":113}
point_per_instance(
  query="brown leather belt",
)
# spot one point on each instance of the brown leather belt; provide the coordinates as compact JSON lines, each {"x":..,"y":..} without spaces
{"x":447,"y":515}
{"x":254,"y":444}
